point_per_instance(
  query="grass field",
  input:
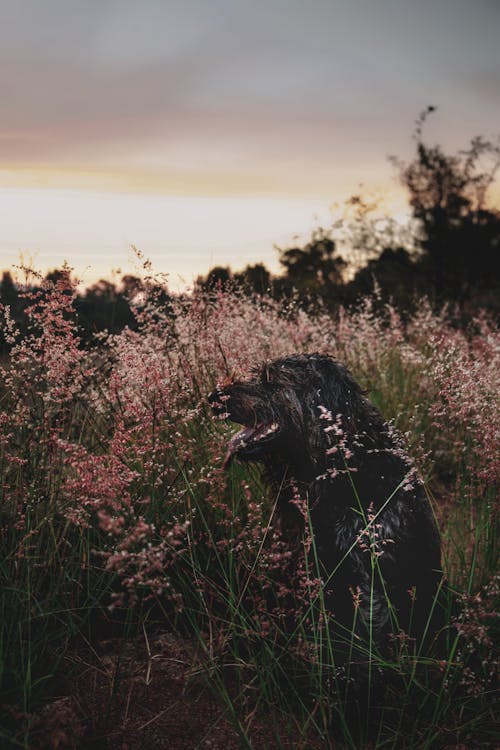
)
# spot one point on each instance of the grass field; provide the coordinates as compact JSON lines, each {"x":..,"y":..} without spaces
{"x":120,"y":527}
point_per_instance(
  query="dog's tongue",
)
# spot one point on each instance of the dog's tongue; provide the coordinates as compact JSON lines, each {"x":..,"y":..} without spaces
{"x":237,"y":441}
{"x":241,"y":440}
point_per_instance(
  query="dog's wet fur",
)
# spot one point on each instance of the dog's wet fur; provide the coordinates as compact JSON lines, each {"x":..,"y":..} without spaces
{"x":307,"y":420}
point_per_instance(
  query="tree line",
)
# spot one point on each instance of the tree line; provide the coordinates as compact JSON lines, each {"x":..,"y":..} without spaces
{"x":451,"y":254}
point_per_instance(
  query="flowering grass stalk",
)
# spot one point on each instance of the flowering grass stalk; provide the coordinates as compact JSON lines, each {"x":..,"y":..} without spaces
{"x":115,"y":510}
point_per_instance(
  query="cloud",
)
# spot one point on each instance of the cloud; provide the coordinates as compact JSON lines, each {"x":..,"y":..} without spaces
{"x":275,"y":88}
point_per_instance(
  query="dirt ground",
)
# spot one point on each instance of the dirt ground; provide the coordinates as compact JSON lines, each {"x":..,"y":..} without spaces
{"x":154,"y":695}
{"x":144,"y":695}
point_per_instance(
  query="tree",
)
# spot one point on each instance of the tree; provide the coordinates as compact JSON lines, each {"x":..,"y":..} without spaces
{"x":393,"y":277}
{"x":131,"y":286}
{"x":217,"y":278}
{"x":315,"y":268}
{"x":254,"y":278}
{"x":448,"y":195}
{"x":8,"y":291}
{"x":103,"y":307}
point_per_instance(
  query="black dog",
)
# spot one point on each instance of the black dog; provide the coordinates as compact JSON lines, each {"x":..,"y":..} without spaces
{"x":307,"y":420}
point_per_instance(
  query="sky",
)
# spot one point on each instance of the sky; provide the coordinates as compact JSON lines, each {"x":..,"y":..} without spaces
{"x":207,"y":131}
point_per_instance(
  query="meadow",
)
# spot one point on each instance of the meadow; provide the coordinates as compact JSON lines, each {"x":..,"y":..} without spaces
{"x":121,"y":531}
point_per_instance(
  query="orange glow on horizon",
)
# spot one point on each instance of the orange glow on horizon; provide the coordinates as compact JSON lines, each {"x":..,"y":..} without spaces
{"x":91,"y":217}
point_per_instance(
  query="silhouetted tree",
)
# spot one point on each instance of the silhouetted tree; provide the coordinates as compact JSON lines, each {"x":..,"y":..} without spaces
{"x":256,"y":278}
{"x":131,"y":286}
{"x":394,"y":276}
{"x":8,"y":291}
{"x":460,"y":235}
{"x":316,"y":268}
{"x":217,"y":277}
{"x":103,"y":307}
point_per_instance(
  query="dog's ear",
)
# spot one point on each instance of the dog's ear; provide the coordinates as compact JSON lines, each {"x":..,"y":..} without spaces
{"x":340,"y":394}
{"x":336,"y":391}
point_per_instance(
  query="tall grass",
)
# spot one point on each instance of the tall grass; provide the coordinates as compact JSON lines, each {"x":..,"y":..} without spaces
{"x":116,"y":514}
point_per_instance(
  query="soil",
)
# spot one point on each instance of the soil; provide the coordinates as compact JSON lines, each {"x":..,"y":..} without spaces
{"x":149,"y":695}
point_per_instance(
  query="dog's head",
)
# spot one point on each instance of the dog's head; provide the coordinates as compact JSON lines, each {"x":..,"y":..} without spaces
{"x":286,"y":406}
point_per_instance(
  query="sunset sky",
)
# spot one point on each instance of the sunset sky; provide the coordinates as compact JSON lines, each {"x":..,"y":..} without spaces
{"x":204,"y":131}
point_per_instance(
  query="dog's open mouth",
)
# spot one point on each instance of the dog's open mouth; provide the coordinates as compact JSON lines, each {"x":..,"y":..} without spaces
{"x":250,"y":441}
